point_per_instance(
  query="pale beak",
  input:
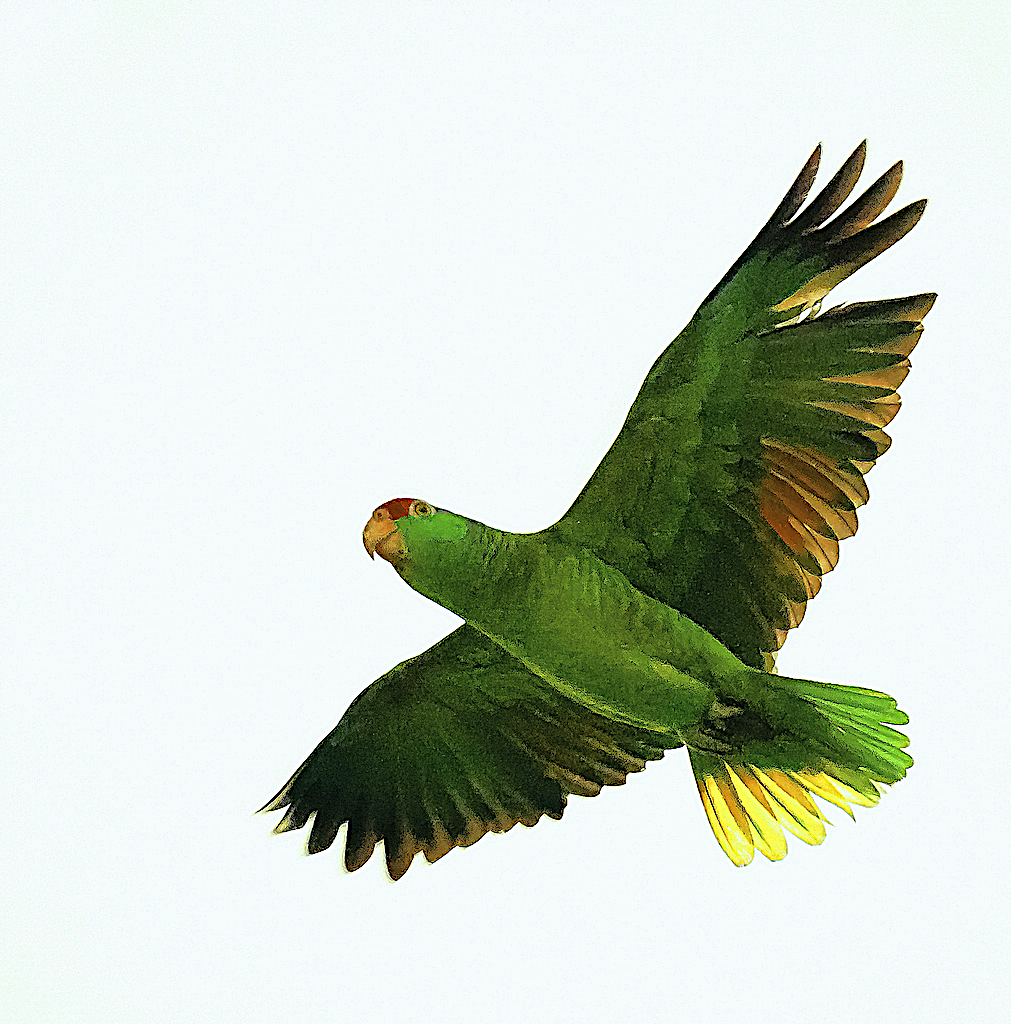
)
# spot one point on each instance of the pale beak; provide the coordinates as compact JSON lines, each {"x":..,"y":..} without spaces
{"x":381,"y":535}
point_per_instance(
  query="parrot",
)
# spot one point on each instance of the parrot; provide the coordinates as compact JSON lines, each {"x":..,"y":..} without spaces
{"x":649,"y":616}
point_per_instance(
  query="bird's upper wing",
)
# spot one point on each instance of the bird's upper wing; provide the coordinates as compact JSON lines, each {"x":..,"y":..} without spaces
{"x":742,"y":460}
{"x":457,"y":742}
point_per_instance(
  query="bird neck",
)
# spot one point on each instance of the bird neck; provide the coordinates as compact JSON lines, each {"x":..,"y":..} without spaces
{"x":471,"y":577}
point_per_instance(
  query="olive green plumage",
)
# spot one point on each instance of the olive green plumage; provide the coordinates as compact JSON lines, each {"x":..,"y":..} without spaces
{"x":648,"y":617}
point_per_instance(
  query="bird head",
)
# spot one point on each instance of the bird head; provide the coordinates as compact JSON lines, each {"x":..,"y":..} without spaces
{"x":404,"y":529}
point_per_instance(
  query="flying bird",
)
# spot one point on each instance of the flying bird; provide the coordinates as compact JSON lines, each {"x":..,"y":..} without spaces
{"x":649,"y":616}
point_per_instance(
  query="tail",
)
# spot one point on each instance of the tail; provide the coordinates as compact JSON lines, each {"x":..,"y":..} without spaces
{"x":757,"y":763}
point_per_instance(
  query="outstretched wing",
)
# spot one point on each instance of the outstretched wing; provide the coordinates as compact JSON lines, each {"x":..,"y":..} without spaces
{"x":741,"y":463}
{"x":457,"y":742}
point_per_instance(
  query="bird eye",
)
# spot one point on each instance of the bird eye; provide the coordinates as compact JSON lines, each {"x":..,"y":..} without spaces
{"x":421,"y":508}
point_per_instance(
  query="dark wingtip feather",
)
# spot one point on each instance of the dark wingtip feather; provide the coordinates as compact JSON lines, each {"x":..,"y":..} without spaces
{"x":864,"y":210}
{"x":324,"y":832}
{"x":359,"y":844}
{"x":276,"y":804}
{"x":835,"y":193}
{"x":797,"y":193}
{"x":907,"y":309}
{"x":294,"y":818}
{"x":856,"y":250}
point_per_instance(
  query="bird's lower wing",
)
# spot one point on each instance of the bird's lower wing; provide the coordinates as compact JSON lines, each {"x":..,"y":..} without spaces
{"x":457,"y":742}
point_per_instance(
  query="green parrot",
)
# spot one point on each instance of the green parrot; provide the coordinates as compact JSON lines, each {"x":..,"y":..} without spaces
{"x":649,"y":616}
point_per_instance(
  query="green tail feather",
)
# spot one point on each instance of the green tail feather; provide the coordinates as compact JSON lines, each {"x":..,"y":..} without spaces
{"x":858,"y":717}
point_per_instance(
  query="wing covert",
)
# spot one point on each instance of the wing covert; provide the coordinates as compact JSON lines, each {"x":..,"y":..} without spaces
{"x":741,"y":463}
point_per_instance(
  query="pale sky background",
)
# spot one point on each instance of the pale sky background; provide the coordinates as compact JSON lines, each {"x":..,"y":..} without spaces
{"x":268,"y":265}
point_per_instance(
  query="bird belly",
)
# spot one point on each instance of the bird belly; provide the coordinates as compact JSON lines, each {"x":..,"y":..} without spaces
{"x":586,"y":630}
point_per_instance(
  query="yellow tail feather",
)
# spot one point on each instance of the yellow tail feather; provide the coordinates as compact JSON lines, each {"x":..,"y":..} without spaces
{"x":748,"y":807}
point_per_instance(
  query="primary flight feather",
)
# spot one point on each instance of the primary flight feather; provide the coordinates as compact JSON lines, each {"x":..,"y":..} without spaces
{"x":649,"y":616}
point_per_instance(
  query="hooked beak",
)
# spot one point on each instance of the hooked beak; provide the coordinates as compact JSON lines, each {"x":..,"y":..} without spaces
{"x":381,"y":535}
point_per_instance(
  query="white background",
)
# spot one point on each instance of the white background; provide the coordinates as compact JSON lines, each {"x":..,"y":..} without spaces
{"x":267,"y":265}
